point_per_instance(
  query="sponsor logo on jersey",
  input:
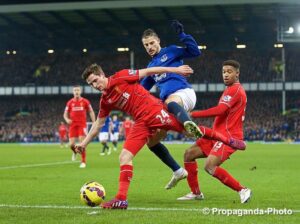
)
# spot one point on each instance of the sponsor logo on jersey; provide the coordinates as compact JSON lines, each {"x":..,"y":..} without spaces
{"x":164,"y":58}
{"x":158,"y":77}
{"x":131,"y":72}
{"x":126,"y":95}
{"x":77,"y":108}
{"x":227,"y":98}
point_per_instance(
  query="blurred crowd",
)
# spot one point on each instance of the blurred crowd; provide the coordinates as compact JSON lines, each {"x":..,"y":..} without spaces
{"x":65,"y":68}
{"x":36,"y":118}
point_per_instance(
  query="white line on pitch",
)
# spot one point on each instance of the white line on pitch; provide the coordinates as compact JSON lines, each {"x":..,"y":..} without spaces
{"x":96,"y":210}
{"x":86,"y":207}
{"x":36,"y":165}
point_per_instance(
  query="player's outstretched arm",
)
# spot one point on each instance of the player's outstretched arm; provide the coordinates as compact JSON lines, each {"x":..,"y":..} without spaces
{"x":92,"y":133}
{"x":211,"y":112}
{"x":66,"y":117}
{"x":184,"y":70}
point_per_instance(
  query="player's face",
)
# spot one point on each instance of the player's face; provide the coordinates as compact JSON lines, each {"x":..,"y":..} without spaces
{"x":76,"y":92}
{"x":97,"y":82}
{"x":230,"y":75}
{"x":152,"y":45}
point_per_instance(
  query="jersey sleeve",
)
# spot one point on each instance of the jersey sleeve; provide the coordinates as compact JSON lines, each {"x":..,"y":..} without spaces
{"x":231,"y":96}
{"x":190,"y":50}
{"x":147,"y":82}
{"x":88,"y":105}
{"x":125,"y":75}
{"x":104,"y":109}
{"x":68,"y":107}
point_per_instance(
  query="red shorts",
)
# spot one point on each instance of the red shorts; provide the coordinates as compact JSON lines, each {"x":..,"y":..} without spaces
{"x":77,"y":131}
{"x":142,"y":130}
{"x":216,"y":148}
{"x":63,"y":136}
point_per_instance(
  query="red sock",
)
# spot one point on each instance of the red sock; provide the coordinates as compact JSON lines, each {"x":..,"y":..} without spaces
{"x":126,"y":172}
{"x":83,"y":156}
{"x":227,"y":179}
{"x":192,"y":178}
{"x":214,"y":135}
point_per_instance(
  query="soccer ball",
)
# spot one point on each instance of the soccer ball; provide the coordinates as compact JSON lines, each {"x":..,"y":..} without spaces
{"x":92,"y":193}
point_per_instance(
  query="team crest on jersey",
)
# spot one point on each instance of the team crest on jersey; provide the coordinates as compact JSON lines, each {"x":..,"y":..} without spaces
{"x":164,"y":58}
{"x":131,"y":72}
{"x":227,"y":98}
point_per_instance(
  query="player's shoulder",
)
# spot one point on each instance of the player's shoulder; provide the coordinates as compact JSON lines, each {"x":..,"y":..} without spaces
{"x":85,"y":100}
{"x":172,"y":47}
{"x":70,"y":101}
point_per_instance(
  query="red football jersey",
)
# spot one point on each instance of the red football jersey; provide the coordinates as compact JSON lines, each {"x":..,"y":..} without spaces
{"x":77,"y":109}
{"x":231,"y":122}
{"x":62,"y":129}
{"x":124,"y":93}
{"x":127,"y":126}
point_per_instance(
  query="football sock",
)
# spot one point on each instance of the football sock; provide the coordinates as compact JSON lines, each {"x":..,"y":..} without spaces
{"x":163,"y":154}
{"x":104,"y":146}
{"x":192,"y":178}
{"x":126,"y":173}
{"x":212,"y":134}
{"x":227,"y":179}
{"x":115,"y":144}
{"x":83,"y":156}
{"x":180,"y":113}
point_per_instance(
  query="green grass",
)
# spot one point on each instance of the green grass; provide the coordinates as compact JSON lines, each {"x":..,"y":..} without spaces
{"x":275,"y":183}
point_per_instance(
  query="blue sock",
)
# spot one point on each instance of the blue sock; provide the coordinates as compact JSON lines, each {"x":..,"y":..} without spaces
{"x":162,"y":152}
{"x":180,"y":113}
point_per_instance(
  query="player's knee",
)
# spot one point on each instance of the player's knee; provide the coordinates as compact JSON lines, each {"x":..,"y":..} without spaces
{"x":125,"y":157}
{"x":209,"y":168}
{"x":188,"y":156}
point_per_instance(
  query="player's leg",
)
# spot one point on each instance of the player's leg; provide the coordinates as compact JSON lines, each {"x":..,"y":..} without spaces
{"x":82,"y":131}
{"x":218,"y":155}
{"x":164,"y":155}
{"x":199,"y":150}
{"x":212,"y":134}
{"x":103,"y":138}
{"x":134,"y":143}
{"x":114,"y":139}
{"x":73,"y":134}
{"x":178,"y":104}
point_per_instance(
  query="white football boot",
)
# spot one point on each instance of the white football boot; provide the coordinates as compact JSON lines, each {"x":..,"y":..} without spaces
{"x":177,"y":176}
{"x":191,"y":196}
{"x":82,"y":165}
{"x":245,"y":195}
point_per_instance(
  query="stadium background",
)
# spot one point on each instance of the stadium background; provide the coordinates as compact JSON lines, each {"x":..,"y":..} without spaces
{"x":44,"y":46}
{"x":35,"y":83}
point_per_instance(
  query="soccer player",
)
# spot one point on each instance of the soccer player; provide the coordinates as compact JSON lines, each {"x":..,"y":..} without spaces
{"x":175,"y":90}
{"x":104,"y":136}
{"x":123,"y":92}
{"x":75,"y":116}
{"x":126,"y":126}
{"x":114,"y":135}
{"x":62,"y":131}
{"x":230,"y":114}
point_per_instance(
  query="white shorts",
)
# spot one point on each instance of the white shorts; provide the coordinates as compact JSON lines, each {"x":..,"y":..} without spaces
{"x":114,"y":136}
{"x":188,"y":97}
{"x":103,"y":136}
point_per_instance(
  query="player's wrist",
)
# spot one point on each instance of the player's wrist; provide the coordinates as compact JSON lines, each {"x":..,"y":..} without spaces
{"x":182,"y":35}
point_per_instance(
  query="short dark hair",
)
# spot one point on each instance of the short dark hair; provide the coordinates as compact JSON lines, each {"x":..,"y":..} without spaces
{"x":232,"y":63}
{"x":149,"y":33}
{"x":93,"y":68}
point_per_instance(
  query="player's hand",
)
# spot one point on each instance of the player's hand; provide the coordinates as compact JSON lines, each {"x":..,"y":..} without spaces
{"x":79,"y":148}
{"x":69,"y":121}
{"x":185,"y":70}
{"x":177,"y":26}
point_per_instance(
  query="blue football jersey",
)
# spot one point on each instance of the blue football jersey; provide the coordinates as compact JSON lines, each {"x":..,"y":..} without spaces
{"x":171,"y":56}
{"x":116,"y":125}
{"x":107,"y":123}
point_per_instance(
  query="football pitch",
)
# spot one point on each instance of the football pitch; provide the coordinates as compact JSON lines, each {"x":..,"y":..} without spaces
{"x":40,"y":184}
